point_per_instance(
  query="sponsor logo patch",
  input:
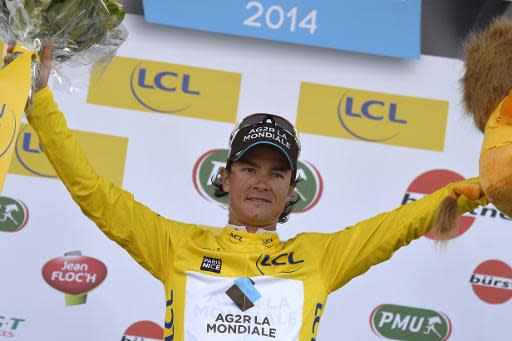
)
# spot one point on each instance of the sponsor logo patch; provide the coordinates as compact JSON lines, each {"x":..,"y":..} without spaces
{"x":211,"y":264}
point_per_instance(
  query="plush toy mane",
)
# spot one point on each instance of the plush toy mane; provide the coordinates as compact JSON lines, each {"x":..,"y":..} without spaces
{"x":488,"y":77}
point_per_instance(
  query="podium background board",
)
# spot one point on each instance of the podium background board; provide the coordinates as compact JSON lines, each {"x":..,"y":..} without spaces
{"x":354,"y":178}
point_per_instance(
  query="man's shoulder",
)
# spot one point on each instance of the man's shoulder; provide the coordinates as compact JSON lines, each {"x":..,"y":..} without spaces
{"x":308,"y":237}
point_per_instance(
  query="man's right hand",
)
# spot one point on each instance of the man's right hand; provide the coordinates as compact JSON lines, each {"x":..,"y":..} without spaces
{"x":45,"y":66}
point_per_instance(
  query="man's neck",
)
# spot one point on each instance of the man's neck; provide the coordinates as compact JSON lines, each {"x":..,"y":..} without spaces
{"x":253,"y":229}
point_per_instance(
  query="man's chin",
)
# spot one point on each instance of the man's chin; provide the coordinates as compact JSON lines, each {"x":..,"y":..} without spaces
{"x":261,"y":219}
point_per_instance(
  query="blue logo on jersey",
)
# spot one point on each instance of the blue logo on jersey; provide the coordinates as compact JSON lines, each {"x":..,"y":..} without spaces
{"x":243,"y":293}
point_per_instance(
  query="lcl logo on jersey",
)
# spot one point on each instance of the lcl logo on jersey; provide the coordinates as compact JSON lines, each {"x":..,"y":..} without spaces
{"x":309,"y":190}
{"x":492,"y":281}
{"x":13,"y":214}
{"x":431,"y":181}
{"x":372,"y":116}
{"x":74,"y":275}
{"x":407,"y":323}
{"x":143,"y":330}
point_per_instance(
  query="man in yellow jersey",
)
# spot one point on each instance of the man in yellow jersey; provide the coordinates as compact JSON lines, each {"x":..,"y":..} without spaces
{"x":242,"y":282}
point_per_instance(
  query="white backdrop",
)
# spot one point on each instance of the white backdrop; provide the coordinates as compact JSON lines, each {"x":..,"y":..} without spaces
{"x":360,"y":180}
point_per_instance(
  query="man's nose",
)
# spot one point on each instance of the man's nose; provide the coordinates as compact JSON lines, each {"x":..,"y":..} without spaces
{"x":261,"y":182}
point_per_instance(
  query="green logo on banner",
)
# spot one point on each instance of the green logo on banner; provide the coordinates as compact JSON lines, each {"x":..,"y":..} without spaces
{"x":406,"y":323}
{"x":309,"y":190}
{"x":13,"y":215}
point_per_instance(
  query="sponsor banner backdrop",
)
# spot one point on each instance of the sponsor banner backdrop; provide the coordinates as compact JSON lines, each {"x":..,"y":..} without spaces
{"x":106,"y":153}
{"x":167,"y":88}
{"x":372,"y":116}
{"x":59,"y":270}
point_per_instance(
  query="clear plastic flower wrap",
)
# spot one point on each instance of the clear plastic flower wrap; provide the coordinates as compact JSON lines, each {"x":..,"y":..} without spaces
{"x":85,"y":33}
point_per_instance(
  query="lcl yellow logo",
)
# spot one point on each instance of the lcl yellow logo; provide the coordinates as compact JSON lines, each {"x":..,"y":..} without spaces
{"x":106,"y":153}
{"x":167,"y":89}
{"x":372,"y":116}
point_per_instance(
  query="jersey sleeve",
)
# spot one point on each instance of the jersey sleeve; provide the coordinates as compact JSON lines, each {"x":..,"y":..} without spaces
{"x":135,"y":227}
{"x":352,"y":251}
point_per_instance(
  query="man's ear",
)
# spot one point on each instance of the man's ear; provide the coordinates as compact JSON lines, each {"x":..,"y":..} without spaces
{"x":224,"y":177}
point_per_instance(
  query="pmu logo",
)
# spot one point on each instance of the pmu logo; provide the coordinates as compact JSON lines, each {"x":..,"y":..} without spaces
{"x":74,"y":275}
{"x":492,"y":281}
{"x":430,"y":181}
{"x":8,"y":129}
{"x":9,"y":326}
{"x":167,"y":88}
{"x":243,"y":293}
{"x":309,"y":190}
{"x":372,"y":116}
{"x":13,"y":214}
{"x":406,"y":323}
{"x":143,"y":331}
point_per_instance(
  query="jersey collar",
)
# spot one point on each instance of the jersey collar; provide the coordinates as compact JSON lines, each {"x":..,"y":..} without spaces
{"x":234,"y":238}
{"x":244,"y":229}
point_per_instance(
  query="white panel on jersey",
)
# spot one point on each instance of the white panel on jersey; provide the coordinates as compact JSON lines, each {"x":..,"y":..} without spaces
{"x":249,"y":309}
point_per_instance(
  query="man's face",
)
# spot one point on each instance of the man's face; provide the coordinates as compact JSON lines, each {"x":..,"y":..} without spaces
{"x":258,"y":186}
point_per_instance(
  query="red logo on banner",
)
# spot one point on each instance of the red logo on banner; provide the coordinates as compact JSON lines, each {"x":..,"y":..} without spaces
{"x":145,"y":330}
{"x":428,"y":183}
{"x":74,"y":275}
{"x":492,"y":281}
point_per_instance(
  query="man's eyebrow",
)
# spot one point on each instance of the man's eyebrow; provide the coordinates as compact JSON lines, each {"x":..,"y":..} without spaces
{"x":252,"y":164}
{"x":247,"y":162}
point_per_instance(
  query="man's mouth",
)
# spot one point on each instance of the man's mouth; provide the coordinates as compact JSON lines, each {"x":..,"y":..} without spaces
{"x":257,"y":199}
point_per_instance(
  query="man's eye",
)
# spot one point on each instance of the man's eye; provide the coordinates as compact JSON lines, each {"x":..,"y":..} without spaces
{"x":248,"y":170}
{"x":278,"y":175}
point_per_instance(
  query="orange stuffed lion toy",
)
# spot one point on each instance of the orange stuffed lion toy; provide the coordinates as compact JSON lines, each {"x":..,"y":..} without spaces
{"x":487,"y":91}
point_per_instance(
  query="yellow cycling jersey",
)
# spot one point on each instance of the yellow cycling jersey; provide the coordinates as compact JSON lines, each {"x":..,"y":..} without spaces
{"x":224,"y":284}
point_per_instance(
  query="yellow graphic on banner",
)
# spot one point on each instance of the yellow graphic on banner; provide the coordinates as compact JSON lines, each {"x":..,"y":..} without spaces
{"x":106,"y":153}
{"x":372,"y":116}
{"x":15,"y":82}
{"x":166,"y":88}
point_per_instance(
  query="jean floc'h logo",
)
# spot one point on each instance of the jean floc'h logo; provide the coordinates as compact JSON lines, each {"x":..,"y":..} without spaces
{"x":74,"y":275}
{"x":407,"y":323}
{"x":308,"y":191}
